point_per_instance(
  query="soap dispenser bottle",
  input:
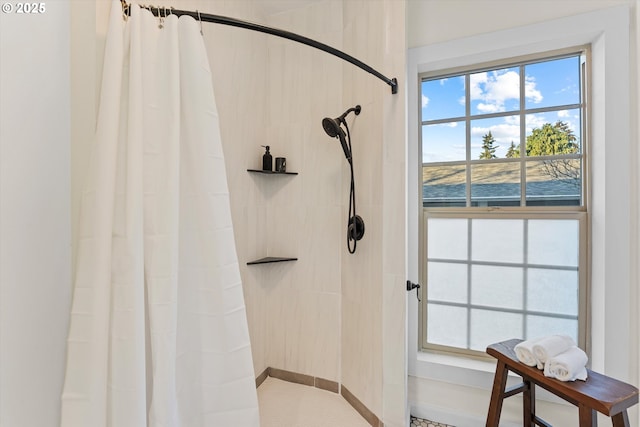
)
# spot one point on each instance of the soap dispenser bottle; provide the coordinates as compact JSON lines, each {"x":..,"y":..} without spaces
{"x":267,"y":160}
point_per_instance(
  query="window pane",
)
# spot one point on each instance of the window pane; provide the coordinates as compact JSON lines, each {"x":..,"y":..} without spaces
{"x":443,"y":98}
{"x":488,"y":327}
{"x":552,"y":291}
{"x":554,"y":183}
{"x":551,"y":83}
{"x":447,"y":325}
{"x":512,"y":139}
{"x":541,"y":326}
{"x":447,"y":238}
{"x":553,"y":133}
{"x":492,"y":138}
{"x":444,"y":142}
{"x":554,"y":242}
{"x":444,"y":185}
{"x":497,"y":240}
{"x":495,"y":91}
{"x":495,"y":184}
{"x":447,"y":282}
{"x":496,"y":286}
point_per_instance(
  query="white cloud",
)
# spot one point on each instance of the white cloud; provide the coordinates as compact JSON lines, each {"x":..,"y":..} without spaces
{"x":443,"y":81}
{"x":573,"y":88}
{"x":488,"y":108}
{"x":493,"y":89}
{"x":563,"y":113}
{"x":450,"y":124}
{"x":503,"y":133}
{"x":535,"y":121}
{"x":425,"y":101}
{"x":512,"y":120}
{"x":502,"y":86}
{"x":475,"y":88}
{"x":530,"y":91}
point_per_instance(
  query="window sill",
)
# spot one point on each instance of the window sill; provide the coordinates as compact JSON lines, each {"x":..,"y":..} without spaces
{"x":455,"y":369}
{"x":468,"y":372}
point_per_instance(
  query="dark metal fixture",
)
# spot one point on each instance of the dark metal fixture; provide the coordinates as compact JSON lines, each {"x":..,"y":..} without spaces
{"x":411,"y":286}
{"x":225,"y":20}
{"x":333,"y":128}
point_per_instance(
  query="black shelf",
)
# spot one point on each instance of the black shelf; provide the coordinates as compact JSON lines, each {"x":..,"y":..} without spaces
{"x":271,"y":172}
{"x":270,"y":259}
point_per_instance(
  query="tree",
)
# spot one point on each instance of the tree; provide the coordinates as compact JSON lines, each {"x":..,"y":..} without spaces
{"x":513,"y":152}
{"x":488,"y":149}
{"x":552,"y":140}
{"x":556,"y":139}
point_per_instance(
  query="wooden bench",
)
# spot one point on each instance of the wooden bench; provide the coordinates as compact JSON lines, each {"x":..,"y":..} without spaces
{"x":598,"y":393}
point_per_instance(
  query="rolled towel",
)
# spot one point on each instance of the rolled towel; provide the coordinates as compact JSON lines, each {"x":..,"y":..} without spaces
{"x":550,"y":346}
{"x":567,"y":366}
{"x":524,"y":352}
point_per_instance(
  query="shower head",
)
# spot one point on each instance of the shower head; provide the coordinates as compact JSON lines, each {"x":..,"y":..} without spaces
{"x":333,"y":128}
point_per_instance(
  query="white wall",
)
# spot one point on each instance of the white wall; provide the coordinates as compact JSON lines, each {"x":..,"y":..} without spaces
{"x":614,"y":194}
{"x":35,"y":243}
{"x":435,"y":21}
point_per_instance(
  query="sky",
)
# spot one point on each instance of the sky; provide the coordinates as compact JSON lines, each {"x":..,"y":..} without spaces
{"x":552,"y":83}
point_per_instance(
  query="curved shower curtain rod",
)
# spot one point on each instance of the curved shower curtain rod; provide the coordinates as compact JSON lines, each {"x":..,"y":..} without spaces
{"x":225,"y":20}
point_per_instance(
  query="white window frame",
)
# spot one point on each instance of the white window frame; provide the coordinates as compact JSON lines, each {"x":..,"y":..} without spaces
{"x":607,"y":31}
{"x":523,"y":211}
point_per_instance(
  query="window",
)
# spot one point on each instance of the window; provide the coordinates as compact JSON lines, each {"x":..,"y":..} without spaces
{"x":503,"y":193}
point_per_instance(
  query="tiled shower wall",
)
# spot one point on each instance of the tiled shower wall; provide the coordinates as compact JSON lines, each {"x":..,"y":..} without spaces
{"x":272,"y":91}
{"x":304,"y":215}
{"x":373,"y":309}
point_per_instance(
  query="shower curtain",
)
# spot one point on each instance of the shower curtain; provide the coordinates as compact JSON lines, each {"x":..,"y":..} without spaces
{"x":158,"y":333}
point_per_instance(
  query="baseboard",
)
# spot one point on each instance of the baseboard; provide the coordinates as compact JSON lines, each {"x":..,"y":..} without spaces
{"x":324,"y":384}
{"x":366,"y":413}
{"x":263,"y":376}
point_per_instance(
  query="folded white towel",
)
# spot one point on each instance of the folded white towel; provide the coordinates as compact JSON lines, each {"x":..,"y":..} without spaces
{"x":550,"y":346}
{"x":524,"y":352}
{"x":567,"y":366}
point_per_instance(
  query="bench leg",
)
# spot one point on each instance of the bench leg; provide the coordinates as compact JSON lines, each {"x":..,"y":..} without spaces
{"x":621,"y":419}
{"x":588,"y":416}
{"x":497,"y":395}
{"x":529,"y":403}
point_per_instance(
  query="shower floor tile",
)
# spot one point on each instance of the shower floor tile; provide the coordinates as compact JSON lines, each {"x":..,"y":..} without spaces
{"x":285,"y":404}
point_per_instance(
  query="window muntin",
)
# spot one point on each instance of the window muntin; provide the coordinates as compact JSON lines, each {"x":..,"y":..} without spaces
{"x":496,"y":276}
{"x":530,"y":111}
{"x":517,"y":147}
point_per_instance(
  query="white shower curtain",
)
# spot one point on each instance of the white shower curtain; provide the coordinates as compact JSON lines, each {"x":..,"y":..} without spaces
{"x":158,"y":333}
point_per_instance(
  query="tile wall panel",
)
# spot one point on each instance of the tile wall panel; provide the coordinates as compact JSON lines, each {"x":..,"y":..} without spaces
{"x":305,"y":215}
